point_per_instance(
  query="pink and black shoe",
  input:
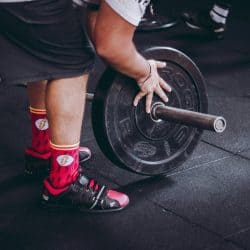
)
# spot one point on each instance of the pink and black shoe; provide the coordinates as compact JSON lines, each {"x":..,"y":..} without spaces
{"x":84,"y":195}
{"x":38,"y":165}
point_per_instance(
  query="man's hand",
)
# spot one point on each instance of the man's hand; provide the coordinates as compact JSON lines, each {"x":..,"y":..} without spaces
{"x":153,"y":83}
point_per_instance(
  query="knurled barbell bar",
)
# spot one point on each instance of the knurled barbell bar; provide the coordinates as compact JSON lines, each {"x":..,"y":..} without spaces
{"x":160,"y":111}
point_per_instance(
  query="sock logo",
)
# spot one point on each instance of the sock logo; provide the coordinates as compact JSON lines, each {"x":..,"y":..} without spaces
{"x":64,"y":160}
{"x":42,"y":124}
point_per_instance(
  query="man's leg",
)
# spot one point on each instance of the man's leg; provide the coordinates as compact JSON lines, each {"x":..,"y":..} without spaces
{"x":40,"y":128}
{"x":66,"y":185}
{"x":38,"y":154}
{"x":36,"y":94}
{"x":65,"y":101}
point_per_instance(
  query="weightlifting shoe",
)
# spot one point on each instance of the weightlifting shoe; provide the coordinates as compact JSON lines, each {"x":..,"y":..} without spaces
{"x":38,"y":165}
{"x":84,"y":195}
{"x":202,"y":21}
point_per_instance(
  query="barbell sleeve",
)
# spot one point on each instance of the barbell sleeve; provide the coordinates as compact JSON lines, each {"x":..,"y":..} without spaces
{"x":187,"y":117}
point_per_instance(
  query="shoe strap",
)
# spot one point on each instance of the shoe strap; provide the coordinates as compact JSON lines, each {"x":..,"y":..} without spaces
{"x":98,"y":197}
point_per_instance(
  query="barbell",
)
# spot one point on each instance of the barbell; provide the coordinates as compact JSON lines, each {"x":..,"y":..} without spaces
{"x":155,"y":143}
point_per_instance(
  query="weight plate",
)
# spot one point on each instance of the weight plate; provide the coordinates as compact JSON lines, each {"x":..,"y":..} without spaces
{"x":128,"y":136}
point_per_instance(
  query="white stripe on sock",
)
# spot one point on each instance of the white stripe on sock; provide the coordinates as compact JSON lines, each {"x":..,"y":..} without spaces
{"x":217,"y":18}
{"x":220,"y":10}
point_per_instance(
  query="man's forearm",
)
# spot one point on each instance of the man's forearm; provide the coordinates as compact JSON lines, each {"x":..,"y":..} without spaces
{"x":113,"y":40}
{"x":125,"y":59}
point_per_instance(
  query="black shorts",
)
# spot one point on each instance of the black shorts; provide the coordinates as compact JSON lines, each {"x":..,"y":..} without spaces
{"x":42,"y":40}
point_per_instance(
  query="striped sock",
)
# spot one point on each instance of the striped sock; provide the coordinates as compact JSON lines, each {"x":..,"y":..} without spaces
{"x":64,"y":167}
{"x":40,"y":134}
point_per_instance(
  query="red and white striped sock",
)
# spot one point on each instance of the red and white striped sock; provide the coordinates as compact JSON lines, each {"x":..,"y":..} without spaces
{"x":40,"y":146}
{"x":64,"y":167}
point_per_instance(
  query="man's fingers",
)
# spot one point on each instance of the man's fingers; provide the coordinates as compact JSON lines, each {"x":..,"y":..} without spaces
{"x":160,"y":64}
{"x":149,"y":98}
{"x":164,"y":85}
{"x":138,"y":98}
{"x":161,"y":94}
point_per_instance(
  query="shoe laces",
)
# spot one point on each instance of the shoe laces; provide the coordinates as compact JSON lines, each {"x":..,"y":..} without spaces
{"x":93,"y":185}
{"x":90,"y":184}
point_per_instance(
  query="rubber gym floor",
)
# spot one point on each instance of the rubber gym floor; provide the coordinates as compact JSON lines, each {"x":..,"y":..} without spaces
{"x":204,"y":204}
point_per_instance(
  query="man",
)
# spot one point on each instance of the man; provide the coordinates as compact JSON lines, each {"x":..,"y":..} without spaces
{"x":49,"y":31}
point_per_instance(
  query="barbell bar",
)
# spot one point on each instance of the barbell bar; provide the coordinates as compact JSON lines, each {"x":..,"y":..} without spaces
{"x":160,"y":111}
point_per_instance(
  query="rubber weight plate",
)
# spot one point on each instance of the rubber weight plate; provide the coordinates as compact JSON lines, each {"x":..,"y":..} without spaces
{"x":128,"y":136}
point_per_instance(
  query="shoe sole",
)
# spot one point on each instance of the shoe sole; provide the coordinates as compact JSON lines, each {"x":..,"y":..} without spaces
{"x":56,"y":207}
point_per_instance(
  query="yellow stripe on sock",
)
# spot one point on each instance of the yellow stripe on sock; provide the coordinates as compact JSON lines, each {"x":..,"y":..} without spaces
{"x":38,"y":111}
{"x":64,"y":147}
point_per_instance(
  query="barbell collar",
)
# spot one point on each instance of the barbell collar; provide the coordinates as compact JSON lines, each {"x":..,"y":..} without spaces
{"x":159,"y":112}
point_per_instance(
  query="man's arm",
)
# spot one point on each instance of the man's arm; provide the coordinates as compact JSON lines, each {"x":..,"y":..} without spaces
{"x":112,"y":36}
{"x":113,"y":42}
